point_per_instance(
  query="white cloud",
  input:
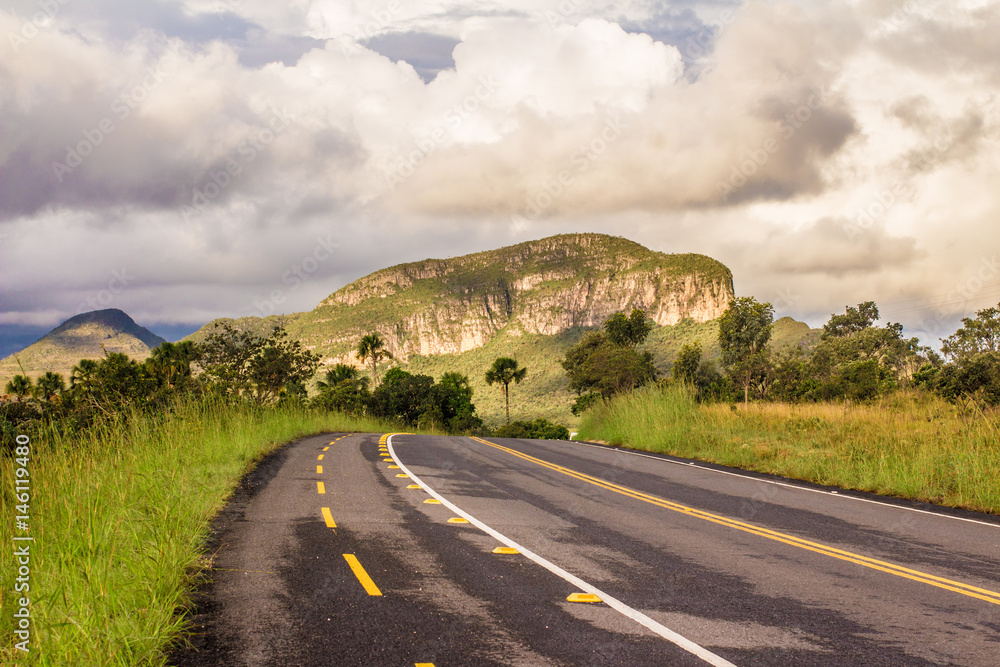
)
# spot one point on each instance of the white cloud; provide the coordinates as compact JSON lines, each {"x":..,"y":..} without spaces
{"x":217,"y":174}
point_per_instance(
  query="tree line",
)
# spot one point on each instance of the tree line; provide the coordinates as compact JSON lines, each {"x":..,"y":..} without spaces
{"x":263,"y":370}
{"x":854,"y":360}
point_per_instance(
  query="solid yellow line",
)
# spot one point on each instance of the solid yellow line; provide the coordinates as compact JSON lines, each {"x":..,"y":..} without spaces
{"x":319,"y":470}
{"x":330,"y":523}
{"x":875,"y":564}
{"x":320,"y":487}
{"x":362,"y":576}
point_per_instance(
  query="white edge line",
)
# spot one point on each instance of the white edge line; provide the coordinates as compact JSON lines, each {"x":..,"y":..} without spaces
{"x":797,"y":487}
{"x":612,"y":602}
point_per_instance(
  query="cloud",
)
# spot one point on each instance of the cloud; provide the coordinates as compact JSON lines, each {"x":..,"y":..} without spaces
{"x":222,"y":136}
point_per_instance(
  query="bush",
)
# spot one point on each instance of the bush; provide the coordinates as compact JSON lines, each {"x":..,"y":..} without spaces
{"x":539,"y":429}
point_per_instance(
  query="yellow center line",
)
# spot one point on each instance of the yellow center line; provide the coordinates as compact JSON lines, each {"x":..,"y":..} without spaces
{"x":319,"y":470}
{"x":362,"y":576}
{"x":875,"y":564}
{"x":320,"y":487}
{"x":320,"y":458}
{"x":330,"y":523}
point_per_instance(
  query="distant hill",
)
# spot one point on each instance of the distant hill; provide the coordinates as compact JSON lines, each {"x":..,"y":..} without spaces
{"x":84,"y":336}
{"x":531,"y":301}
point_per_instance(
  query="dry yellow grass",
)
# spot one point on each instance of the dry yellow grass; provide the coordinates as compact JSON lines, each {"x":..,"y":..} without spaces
{"x":911,"y":444}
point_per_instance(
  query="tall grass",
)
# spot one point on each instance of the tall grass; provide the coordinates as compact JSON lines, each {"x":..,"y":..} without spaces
{"x":120,"y":516}
{"x":911,"y":444}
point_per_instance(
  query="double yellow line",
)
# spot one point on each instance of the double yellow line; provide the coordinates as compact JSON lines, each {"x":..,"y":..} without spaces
{"x":875,"y":564}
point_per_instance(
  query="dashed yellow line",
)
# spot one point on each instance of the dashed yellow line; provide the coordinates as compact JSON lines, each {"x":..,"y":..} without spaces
{"x":320,"y":488}
{"x":832,"y":552}
{"x":319,"y":470}
{"x":362,"y":576}
{"x":330,"y":523}
{"x":320,"y":458}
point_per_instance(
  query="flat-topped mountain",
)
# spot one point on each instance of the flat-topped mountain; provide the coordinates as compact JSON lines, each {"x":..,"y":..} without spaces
{"x":447,"y":306}
{"x":84,"y":336}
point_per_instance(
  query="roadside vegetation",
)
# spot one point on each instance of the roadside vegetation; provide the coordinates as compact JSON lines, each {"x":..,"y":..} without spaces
{"x":864,"y":408}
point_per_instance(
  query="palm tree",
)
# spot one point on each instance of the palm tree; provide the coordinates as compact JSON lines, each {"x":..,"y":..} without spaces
{"x":172,"y":360}
{"x":49,"y":386}
{"x":372,"y":348}
{"x":20,"y":386}
{"x":338,"y":374}
{"x":504,"y":371}
{"x":82,"y":375}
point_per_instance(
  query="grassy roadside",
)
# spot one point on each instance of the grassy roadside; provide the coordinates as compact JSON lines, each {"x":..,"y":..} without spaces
{"x":119,"y":518}
{"x":910,"y":445}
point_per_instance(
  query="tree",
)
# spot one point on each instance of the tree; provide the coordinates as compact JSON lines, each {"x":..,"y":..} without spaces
{"x":50,"y":386}
{"x":605,"y":363}
{"x":976,"y":336}
{"x":744,"y":331}
{"x":504,"y":371}
{"x":20,"y":386}
{"x":262,"y":369}
{"x":852,"y":321}
{"x":171,"y":363}
{"x":686,"y":366}
{"x":628,"y":331}
{"x":338,"y":374}
{"x":372,"y":348}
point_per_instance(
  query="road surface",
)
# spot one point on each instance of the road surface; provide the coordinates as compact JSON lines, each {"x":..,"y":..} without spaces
{"x":341,"y":550}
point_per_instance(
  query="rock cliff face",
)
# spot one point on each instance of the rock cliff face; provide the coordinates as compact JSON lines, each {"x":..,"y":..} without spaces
{"x":539,"y":287}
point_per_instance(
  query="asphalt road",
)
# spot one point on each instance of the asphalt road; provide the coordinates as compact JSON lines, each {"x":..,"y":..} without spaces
{"x":341,"y":560}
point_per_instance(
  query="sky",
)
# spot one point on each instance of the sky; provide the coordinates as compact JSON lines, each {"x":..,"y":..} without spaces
{"x":184,"y":160}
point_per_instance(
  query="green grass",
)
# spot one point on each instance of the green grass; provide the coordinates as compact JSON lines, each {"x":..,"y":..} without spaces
{"x":120,"y":518}
{"x":911,"y":445}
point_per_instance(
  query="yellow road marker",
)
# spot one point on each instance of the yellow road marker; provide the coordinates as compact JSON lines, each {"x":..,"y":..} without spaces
{"x":326,"y":448}
{"x":457,"y":519}
{"x":362,"y":576}
{"x":319,"y":470}
{"x":432,"y":501}
{"x":402,"y":474}
{"x":320,"y":487}
{"x":320,"y":458}
{"x":583,"y":597}
{"x":330,"y":523}
{"x":413,"y":486}
{"x":506,"y":550}
{"x":815,"y":547}
{"x":393,"y":467}
{"x":423,"y":664}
